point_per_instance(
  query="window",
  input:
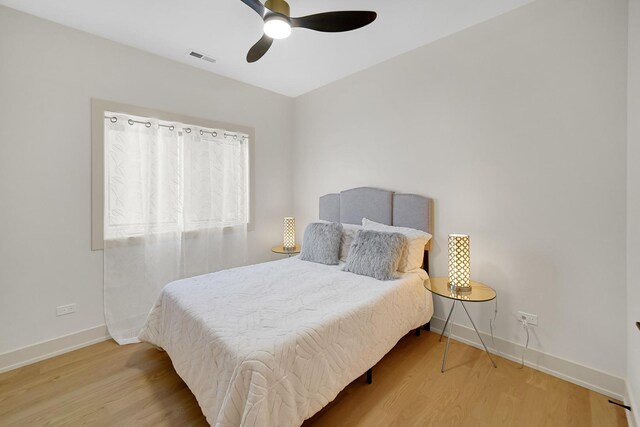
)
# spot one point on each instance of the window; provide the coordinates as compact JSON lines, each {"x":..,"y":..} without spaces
{"x":163,"y":175}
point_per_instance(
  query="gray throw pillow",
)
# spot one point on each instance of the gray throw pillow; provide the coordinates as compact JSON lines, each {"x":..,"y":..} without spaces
{"x":376,"y":254}
{"x":321,"y":243}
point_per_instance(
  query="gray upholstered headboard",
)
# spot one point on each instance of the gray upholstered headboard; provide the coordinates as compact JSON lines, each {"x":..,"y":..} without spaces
{"x":386,"y":207}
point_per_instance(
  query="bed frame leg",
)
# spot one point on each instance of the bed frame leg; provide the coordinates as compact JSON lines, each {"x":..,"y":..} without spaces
{"x":417,"y":332}
{"x":427,"y":326}
{"x":370,"y":376}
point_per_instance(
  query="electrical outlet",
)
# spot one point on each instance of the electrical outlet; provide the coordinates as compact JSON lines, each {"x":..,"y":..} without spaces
{"x":532,"y":319}
{"x":65,"y":309}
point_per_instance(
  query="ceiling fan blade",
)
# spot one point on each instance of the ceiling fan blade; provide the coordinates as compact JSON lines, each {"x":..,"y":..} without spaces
{"x":335,"y":22}
{"x":259,"y":49}
{"x":256,"y":5}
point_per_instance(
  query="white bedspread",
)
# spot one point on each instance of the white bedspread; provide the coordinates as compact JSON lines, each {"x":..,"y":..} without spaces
{"x":271,"y":344}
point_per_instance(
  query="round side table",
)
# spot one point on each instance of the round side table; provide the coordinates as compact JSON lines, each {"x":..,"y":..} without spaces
{"x":280,"y":249}
{"x":478,"y":293}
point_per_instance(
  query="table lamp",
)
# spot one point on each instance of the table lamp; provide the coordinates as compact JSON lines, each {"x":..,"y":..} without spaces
{"x":459,"y":263}
{"x":289,"y":240}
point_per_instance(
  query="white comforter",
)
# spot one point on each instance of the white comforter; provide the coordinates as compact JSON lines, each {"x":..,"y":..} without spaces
{"x":273,"y":343}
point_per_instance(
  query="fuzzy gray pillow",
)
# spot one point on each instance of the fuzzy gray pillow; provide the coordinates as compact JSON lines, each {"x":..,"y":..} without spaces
{"x":321,"y":243}
{"x":376,"y":254}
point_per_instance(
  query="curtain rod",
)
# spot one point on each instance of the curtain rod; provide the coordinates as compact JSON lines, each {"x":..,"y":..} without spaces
{"x":114,"y":119}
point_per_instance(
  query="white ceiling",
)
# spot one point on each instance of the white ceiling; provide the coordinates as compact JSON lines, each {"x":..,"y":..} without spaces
{"x":226,"y":29}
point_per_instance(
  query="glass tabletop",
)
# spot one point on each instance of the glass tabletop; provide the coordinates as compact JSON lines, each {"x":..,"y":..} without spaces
{"x":479,"y":292}
{"x":280,"y":249}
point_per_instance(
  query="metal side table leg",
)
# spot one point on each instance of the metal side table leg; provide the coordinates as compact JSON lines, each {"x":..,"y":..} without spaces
{"x":478,"y":333}
{"x":447,"y":322}
{"x":446,"y":349}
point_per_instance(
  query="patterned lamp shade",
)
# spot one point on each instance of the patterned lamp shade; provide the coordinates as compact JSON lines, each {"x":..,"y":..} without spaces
{"x":289,"y":241}
{"x":459,"y":262}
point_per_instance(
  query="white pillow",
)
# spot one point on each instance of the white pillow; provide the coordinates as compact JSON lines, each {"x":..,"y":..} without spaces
{"x":417,"y":242}
{"x":348,"y":234}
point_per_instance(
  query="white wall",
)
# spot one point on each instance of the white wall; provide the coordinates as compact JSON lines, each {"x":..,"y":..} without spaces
{"x":517,"y":128}
{"x":633,"y":209}
{"x":48,"y":74}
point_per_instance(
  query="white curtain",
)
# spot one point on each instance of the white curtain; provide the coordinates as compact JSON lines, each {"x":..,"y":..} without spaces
{"x":176,"y":205}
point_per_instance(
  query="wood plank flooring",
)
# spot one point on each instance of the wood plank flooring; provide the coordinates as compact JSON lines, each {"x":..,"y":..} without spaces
{"x":135,"y":385}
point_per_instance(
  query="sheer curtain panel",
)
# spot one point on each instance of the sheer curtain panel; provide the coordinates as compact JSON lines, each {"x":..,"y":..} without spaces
{"x":176,"y":205}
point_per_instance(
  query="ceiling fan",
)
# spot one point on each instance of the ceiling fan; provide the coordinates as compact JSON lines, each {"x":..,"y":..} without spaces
{"x":278,"y":23}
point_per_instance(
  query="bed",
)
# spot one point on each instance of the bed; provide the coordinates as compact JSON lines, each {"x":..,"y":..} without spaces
{"x":271,"y":344}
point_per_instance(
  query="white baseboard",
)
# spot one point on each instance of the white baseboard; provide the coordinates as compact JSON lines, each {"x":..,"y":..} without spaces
{"x":584,"y":376}
{"x":46,"y":349}
{"x":632,"y":417}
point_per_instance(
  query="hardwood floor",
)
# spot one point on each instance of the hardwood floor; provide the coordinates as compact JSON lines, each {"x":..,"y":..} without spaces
{"x":135,"y":385}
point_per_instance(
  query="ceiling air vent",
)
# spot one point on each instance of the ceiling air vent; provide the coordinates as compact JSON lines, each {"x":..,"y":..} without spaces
{"x":202,"y":56}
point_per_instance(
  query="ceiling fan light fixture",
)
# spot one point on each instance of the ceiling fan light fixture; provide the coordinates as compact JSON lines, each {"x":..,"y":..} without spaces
{"x":278,"y":23}
{"x":277,"y":27}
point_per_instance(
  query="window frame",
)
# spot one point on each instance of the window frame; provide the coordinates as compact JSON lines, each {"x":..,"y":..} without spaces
{"x":98,"y":109}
